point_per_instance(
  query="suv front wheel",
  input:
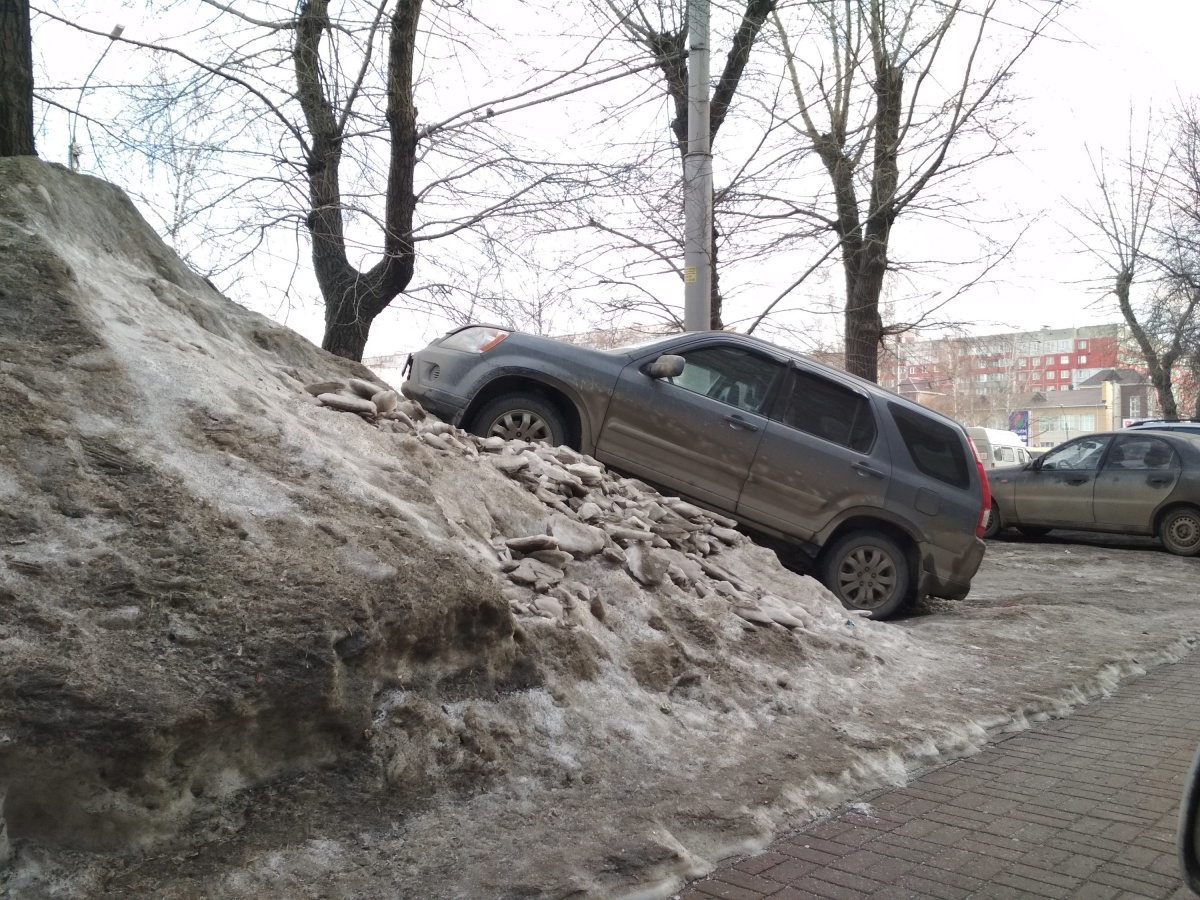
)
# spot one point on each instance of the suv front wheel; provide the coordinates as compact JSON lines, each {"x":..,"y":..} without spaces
{"x":520,"y":416}
{"x":866,"y":571}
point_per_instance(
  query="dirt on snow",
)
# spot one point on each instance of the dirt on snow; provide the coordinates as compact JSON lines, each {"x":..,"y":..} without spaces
{"x":253,"y":645}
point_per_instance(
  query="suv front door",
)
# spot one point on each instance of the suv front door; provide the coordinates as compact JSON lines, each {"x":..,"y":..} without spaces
{"x":697,"y":433}
{"x":820,"y":454}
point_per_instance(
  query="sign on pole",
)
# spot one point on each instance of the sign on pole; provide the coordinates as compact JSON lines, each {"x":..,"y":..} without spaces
{"x":1018,"y":423}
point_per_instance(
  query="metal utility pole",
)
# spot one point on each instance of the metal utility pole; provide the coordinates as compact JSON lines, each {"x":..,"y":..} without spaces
{"x":697,"y":179}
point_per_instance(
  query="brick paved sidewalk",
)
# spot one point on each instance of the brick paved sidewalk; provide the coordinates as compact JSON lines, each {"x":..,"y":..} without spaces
{"x":1082,"y":807}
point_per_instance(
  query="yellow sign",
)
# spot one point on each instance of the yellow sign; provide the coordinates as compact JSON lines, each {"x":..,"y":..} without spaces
{"x":689,"y":274}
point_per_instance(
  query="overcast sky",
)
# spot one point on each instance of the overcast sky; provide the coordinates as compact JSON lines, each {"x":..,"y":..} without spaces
{"x":1126,"y":57}
{"x":1113,"y":57}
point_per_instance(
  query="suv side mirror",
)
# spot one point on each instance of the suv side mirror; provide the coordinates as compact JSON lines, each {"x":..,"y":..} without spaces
{"x":1188,"y":839}
{"x":666,"y":366}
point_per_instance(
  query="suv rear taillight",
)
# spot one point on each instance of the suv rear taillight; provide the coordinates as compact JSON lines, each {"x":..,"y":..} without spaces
{"x":987,"y":491}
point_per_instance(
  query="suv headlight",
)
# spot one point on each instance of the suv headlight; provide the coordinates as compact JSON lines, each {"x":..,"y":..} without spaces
{"x":477,"y":339}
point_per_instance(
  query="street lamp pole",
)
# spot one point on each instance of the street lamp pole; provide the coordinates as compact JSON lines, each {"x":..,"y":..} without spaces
{"x":697,"y":179}
{"x":73,"y":149}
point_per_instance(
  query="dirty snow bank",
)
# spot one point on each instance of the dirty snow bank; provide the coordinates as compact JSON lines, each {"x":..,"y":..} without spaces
{"x":255,"y":646}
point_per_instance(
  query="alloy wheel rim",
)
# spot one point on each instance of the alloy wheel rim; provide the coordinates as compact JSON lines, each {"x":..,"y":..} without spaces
{"x":867,"y":577}
{"x":522,"y":425}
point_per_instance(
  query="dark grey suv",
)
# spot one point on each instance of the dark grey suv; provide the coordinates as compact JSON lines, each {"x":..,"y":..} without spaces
{"x":885,"y":497}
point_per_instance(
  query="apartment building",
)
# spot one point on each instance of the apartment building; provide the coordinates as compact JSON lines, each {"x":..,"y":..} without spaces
{"x":1063,"y":381}
{"x":1050,"y":359}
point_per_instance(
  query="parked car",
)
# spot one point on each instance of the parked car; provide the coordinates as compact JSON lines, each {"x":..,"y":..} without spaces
{"x":1187,"y":426}
{"x":998,"y":448}
{"x":1131,"y":481}
{"x":1187,"y":836}
{"x":884,"y":496}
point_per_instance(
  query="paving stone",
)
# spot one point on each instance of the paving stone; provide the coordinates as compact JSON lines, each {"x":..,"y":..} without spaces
{"x":1081,"y":807}
{"x":747,"y":882}
{"x":756,"y":865}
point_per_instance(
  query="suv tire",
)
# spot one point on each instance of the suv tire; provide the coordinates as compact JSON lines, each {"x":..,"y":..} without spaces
{"x":866,"y":571}
{"x":520,"y":416}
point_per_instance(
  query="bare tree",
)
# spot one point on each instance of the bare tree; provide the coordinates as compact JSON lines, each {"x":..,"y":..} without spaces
{"x":1144,"y":222}
{"x":898,"y":99}
{"x":16,"y":80}
{"x":331,"y":140}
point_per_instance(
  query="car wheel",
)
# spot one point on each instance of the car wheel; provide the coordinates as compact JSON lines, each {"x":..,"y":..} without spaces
{"x":994,"y":522}
{"x":1033,"y":531}
{"x":1180,"y":531}
{"x":525,"y":417}
{"x":867,"y":571}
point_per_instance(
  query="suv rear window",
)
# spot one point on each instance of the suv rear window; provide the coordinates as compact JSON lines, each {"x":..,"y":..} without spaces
{"x":936,"y":449}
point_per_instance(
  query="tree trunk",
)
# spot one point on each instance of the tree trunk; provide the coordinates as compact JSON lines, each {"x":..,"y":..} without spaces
{"x":1159,"y":367}
{"x":865,"y":265}
{"x":866,"y":262}
{"x":1161,"y":379}
{"x":352,"y":298}
{"x":16,"y":80}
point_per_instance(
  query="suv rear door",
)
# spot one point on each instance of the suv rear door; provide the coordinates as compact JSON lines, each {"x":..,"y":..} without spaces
{"x":820,"y":454}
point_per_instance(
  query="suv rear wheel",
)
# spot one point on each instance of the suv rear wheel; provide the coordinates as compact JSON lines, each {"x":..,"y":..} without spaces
{"x":866,"y":571}
{"x":520,"y":416}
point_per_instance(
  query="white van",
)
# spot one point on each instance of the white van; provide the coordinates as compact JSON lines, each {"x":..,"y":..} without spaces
{"x":998,"y":448}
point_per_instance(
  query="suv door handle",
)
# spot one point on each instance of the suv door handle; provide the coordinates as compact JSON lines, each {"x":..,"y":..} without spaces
{"x":1160,"y":479}
{"x":863,"y":469}
{"x":736,"y":421}
{"x":1077,"y":479}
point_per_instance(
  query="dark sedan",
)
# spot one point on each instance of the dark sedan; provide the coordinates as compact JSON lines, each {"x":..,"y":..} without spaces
{"x":1126,"y":482}
{"x":884,"y":496}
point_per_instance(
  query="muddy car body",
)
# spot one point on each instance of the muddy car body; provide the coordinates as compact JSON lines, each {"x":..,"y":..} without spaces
{"x":1134,"y":481}
{"x":882,"y":495}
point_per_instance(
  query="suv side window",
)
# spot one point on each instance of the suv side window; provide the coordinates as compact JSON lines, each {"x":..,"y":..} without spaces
{"x":936,"y":449}
{"x":728,"y":374}
{"x":827,"y":410}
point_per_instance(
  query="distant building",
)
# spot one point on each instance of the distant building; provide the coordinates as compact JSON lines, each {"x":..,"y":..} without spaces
{"x":981,"y":380}
{"x":1048,"y":359}
{"x":1103,"y":402}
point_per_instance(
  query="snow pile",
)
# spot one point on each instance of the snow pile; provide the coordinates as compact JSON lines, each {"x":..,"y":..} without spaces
{"x":268,"y":631}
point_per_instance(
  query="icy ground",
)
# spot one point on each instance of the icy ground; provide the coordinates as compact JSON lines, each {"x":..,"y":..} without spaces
{"x":256,"y":646}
